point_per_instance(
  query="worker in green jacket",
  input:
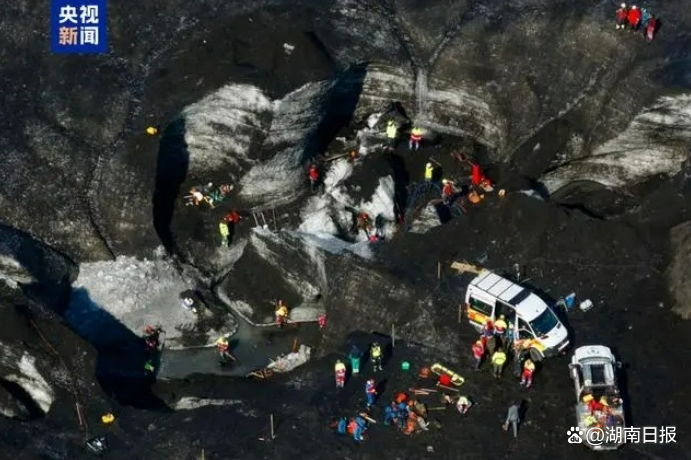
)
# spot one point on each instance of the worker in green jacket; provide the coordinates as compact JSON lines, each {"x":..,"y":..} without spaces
{"x":391,"y":133}
{"x":498,"y":361}
{"x":429,"y":172}
{"x":223,"y":230}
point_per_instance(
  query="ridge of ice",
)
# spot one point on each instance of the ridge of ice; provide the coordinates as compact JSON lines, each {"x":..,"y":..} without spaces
{"x":655,"y":142}
{"x":31,"y":380}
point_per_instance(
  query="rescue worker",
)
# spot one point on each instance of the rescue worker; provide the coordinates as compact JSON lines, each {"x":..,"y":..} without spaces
{"x":187,"y":301}
{"x":489,"y":341}
{"x":634,"y":18}
{"x":375,"y":355}
{"x":415,"y":139}
{"x":195,"y":197}
{"x":364,"y":223}
{"x":622,"y":17}
{"x":513,"y":416}
{"x":429,"y":172}
{"x":340,"y":373}
{"x":313,"y":177}
{"x":645,"y":17}
{"x":390,"y":414}
{"x":342,"y":426}
{"x":370,"y":392}
{"x":650,"y":29}
{"x":498,"y":361}
{"x":152,"y":337}
{"x":418,"y":407}
{"x":520,"y":354}
{"x":475,"y":175}
{"x":446,"y":191}
{"x":225,"y":232}
{"x":463,"y":404}
{"x":410,"y":424}
{"x":402,"y":411}
{"x":478,"y":353}
{"x":281,"y":313}
{"x":527,"y":374}
{"x":474,"y":197}
{"x":354,"y":357}
{"x":500,"y":328}
{"x":233,"y":217}
{"x":510,"y":336}
{"x":322,"y":322}
{"x":391,"y":133}
{"x":216,"y":196}
{"x":222,"y":346}
{"x":360,"y":427}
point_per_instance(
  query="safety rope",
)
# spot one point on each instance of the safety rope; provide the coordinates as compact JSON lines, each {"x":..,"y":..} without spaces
{"x":73,"y":387}
{"x":421,"y":189}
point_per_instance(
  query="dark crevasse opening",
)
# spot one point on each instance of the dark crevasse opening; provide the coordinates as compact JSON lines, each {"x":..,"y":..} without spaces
{"x":172,"y":165}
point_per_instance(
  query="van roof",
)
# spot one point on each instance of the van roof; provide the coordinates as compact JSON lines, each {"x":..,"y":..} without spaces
{"x":527,"y":303}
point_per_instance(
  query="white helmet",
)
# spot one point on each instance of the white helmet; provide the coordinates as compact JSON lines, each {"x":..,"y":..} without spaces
{"x":634,"y":7}
{"x":623,"y":5}
{"x":428,"y":165}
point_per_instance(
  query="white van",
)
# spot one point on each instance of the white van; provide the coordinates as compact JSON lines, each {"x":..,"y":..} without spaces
{"x":489,"y":295}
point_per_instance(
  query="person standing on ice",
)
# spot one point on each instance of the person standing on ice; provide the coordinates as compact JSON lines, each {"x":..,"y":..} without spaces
{"x":634,"y":18}
{"x":650,"y":28}
{"x":340,"y":374}
{"x":313,"y":177}
{"x":415,"y":139}
{"x":622,"y":16}
{"x":370,"y":393}
{"x":281,"y":313}
{"x":225,"y":233}
{"x":446,"y":191}
{"x":391,"y":133}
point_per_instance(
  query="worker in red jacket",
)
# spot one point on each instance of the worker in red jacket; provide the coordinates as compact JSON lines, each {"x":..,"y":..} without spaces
{"x":314,"y":177}
{"x":446,"y":191}
{"x":650,"y":28}
{"x":634,"y":18}
{"x":622,"y":16}
{"x":478,"y":353}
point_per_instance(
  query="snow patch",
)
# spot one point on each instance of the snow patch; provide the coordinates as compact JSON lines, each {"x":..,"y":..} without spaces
{"x":221,"y":128}
{"x":305,"y":313}
{"x":31,"y":380}
{"x":130,"y":292}
{"x":192,"y":402}
{"x":426,"y":220}
{"x":13,"y":273}
{"x":655,"y":142}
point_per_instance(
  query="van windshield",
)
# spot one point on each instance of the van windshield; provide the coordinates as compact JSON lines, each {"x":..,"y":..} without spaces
{"x":544,"y":323}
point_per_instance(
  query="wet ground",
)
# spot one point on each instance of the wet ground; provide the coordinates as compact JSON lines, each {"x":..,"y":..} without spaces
{"x":253,"y":347}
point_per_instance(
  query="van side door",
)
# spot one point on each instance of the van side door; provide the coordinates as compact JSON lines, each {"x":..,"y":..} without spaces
{"x":501,"y":308}
{"x":479,"y":310}
{"x":523,"y":332}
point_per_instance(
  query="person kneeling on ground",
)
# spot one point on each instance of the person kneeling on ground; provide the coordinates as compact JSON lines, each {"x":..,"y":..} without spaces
{"x":463,"y":405}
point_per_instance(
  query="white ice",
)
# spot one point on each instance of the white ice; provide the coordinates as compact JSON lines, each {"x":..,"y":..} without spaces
{"x":655,"y":142}
{"x":13,"y":273}
{"x":426,"y":220}
{"x":324,"y":215}
{"x":220,"y":128}
{"x":130,"y":292}
{"x":31,"y":380}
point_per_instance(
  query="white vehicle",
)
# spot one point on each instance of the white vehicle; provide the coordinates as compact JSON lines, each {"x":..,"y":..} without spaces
{"x":490,"y":296}
{"x":599,"y":407}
